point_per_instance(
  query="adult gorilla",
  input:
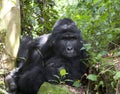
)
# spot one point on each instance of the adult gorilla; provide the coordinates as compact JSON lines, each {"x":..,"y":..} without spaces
{"x":61,"y":50}
{"x":66,"y":43}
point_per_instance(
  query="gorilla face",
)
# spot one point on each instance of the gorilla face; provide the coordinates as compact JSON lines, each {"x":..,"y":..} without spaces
{"x":67,"y":45}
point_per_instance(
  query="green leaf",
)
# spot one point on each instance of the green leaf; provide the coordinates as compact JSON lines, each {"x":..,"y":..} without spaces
{"x":77,"y":83}
{"x":56,"y":76}
{"x":117,"y":54}
{"x":86,"y":46}
{"x":63,"y":72}
{"x":99,"y":56}
{"x":101,"y":83}
{"x":109,"y":36}
{"x":117,"y":75}
{"x":103,"y":53}
{"x":68,"y":80}
{"x":54,"y":81}
{"x":98,"y":33}
{"x":92,"y":77}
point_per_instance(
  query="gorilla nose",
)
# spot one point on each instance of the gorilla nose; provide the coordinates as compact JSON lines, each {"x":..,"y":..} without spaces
{"x":69,"y":49}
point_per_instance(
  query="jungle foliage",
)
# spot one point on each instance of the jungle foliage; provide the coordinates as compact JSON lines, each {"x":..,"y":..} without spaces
{"x":37,"y":16}
{"x":99,"y":22}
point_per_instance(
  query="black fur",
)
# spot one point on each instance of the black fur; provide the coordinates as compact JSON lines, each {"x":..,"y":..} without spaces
{"x":66,"y":42}
{"x":31,"y":75}
{"x":45,"y":60}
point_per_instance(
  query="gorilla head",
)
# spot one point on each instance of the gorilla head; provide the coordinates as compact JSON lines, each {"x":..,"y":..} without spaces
{"x":66,"y":39}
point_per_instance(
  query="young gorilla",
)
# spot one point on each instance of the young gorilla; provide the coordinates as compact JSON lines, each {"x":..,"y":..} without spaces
{"x":66,"y":44}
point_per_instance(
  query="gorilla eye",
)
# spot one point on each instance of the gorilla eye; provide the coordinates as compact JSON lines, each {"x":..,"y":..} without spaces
{"x":64,"y":38}
{"x":73,"y":37}
{"x":69,"y":38}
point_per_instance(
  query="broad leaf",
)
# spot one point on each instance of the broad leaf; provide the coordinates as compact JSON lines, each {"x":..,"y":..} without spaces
{"x":92,"y":77}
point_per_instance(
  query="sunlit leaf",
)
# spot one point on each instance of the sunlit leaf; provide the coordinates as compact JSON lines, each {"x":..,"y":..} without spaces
{"x":92,"y":77}
{"x":63,"y":72}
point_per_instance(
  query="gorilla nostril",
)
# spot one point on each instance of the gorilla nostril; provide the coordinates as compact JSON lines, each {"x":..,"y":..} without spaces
{"x":69,"y":48}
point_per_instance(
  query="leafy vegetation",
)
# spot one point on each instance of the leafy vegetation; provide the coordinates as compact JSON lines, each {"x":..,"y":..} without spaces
{"x":38,"y":16}
{"x":99,"y":23}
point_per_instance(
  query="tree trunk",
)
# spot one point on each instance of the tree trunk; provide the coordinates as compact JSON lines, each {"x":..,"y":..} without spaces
{"x":10,"y":21}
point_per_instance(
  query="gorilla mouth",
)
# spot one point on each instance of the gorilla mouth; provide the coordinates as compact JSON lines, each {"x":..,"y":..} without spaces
{"x":70,"y":54}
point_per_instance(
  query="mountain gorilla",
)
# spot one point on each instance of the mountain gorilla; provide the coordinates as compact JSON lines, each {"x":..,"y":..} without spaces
{"x":66,"y":43}
{"x":45,"y":59}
